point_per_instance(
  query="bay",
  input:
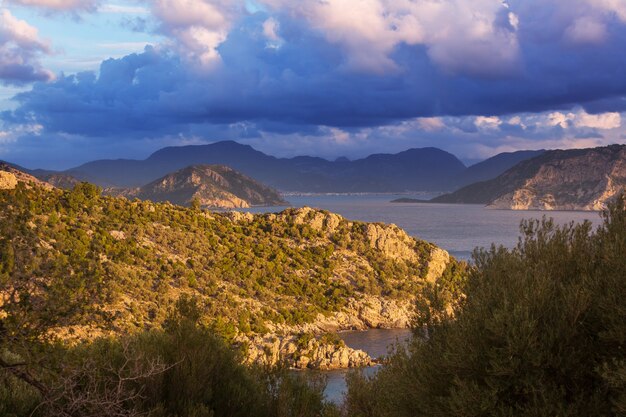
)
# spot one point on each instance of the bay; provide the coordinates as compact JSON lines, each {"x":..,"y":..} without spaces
{"x":376,"y":342}
{"x":458,"y":228}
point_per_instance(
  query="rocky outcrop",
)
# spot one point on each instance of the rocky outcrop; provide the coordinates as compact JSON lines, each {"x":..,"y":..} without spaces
{"x":10,"y":177}
{"x":117,"y":235}
{"x":392,"y":241}
{"x":367,"y":312}
{"x":439,"y":260}
{"x":238,"y":216}
{"x":318,"y":220}
{"x":303,"y":352}
{"x":577,"y":179}
{"x":8,"y":181}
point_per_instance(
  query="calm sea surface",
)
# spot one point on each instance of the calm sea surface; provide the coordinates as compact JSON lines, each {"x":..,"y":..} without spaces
{"x":457,"y":228}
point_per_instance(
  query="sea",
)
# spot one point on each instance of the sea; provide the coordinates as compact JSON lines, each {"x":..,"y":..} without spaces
{"x":457,"y":228}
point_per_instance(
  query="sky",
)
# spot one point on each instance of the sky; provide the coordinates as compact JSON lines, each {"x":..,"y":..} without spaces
{"x":89,"y":79}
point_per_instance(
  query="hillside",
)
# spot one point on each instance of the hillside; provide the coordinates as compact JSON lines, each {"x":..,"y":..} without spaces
{"x":59,"y":180}
{"x":273,"y":283}
{"x":10,"y":176}
{"x":577,"y":179}
{"x":214,"y":186}
{"x":492,"y":167}
{"x":414,"y":169}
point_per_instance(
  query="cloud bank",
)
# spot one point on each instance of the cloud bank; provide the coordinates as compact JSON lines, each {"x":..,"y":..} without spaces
{"x":348,"y":73}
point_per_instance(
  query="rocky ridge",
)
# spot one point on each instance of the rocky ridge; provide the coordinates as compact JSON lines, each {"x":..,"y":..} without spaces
{"x":213,"y":186}
{"x":576,"y":179}
{"x":277,"y":347}
{"x":304,"y":352}
{"x":362,"y":313}
{"x":10,"y":177}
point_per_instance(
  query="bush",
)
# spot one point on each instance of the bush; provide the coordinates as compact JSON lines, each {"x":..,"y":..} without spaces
{"x":183,"y":370}
{"x":540,"y":332}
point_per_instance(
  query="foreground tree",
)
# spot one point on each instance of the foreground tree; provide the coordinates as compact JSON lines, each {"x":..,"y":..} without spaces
{"x":540,"y":331}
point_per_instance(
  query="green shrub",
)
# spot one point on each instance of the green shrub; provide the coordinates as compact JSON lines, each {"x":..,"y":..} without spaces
{"x":540,"y":332}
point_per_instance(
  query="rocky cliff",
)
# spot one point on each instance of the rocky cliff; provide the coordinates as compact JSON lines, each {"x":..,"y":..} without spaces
{"x":10,"y":177}
{"x":577,"y":179}
{"x":304,"y":351}
{"x":360,"y":312}
{"x":215,"y":186}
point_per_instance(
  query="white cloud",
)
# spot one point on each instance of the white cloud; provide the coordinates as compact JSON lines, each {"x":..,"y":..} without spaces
{"x":578,"y":119}
{"x":603,"y":121}
{"x":461,"y":36}
{"x":12,"y":135}
{"x":483,"y":122}
{"x":558,"y":119}
{"x":477,"y":37}
{"x":270,"y":29}
{"x":197,"y":26}
{"x":430,"y":124}
{"x":20,"y":48}
{"x":517,"y":121}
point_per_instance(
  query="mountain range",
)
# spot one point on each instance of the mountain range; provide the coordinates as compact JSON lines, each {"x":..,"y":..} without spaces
{"x":424,"y":169}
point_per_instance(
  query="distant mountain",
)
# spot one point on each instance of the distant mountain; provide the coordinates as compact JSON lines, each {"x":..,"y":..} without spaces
{"x":426,"y":169}
{"x":577,"y":179}
{"x":494,"y":166}
{"x":59,"y":180}
{"x":211,"y":185}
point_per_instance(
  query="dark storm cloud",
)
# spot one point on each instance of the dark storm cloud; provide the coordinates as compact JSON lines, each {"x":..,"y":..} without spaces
{"x":304,"y":82}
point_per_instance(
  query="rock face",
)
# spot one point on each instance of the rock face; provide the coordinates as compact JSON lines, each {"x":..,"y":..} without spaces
{"x":10,"y":177}
{"x":578,"y":179}
{"x":392,"y":241}
{"x":439,"y":259}
{"x":303,"y":352}
{"x":366,"y":312}
{"x":8,"y":181}
{"x":211,"y":185}
{"x":362,"y":312}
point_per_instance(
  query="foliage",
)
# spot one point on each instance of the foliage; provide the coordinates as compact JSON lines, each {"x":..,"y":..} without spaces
{"x":122,"y":308}
{"x":183,"y":370}
{"x":540,"y":332}
{"x":74,"y":259}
